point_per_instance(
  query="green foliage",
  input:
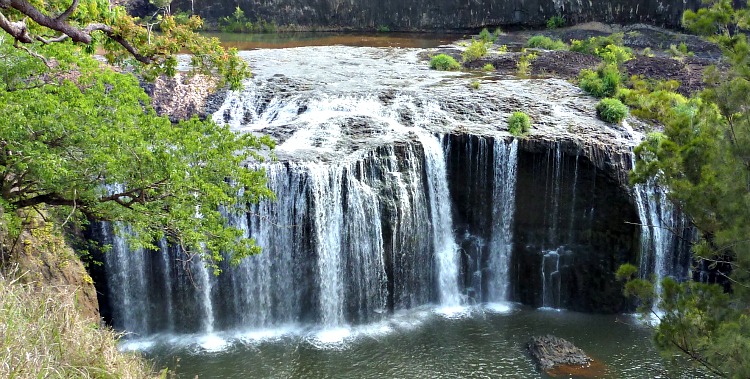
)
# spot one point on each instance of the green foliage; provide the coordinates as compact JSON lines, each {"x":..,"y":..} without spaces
{"x":611,"y":110}
{"x":475,"y":84}
{"x":89,"y":144}
{"x":239,"y":23}
{"x":647,"y":52}
{"x":488,"y":67}
{"x":519,"y":123}
{"x":680,"y":51}
{"x":524,"y":63}
{"x":589,"y":46}
{"x":121,"y":39}
{"x":604,"y":82}
{"x":543,"y":42}
{"x":476,"y":50}
{"x":609,"y":48}
{"x":444,"y":62}
{"x":613,"y":54}
{"x":652,"y":100}
{"x":498,"y":31}
{"x":486,"y":37}
{"x":502,"y":49}
{"x":383,"y":29}
{"x":703,"y":158}
{"x":555,"y":22}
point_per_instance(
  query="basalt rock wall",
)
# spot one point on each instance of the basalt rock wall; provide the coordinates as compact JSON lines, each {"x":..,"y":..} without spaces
{"x":443,"y":14}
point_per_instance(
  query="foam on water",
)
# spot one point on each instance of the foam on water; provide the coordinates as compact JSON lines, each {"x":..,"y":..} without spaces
{"x":499,"y":308}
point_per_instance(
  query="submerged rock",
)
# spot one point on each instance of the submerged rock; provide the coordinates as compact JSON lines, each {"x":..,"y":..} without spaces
{"x":550,"y":351}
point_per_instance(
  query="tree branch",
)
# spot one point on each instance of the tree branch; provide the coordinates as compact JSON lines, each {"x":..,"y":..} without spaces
{"x":19,"y":30}
{"x":64,"y":16}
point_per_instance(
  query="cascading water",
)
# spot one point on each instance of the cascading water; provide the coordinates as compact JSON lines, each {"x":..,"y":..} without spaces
{"x":127,"y":282}
{"x":664,"y":234}
{"x":503,"y":210}
{"x":446,"y":250}
{"x":367,"y":202}
{"x":551,"y":279}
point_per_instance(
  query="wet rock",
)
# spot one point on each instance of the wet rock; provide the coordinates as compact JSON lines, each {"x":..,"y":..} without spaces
{"x":550,"y":351}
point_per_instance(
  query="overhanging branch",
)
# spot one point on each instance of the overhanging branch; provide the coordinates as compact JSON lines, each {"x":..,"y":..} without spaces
{"x":19,"y":30}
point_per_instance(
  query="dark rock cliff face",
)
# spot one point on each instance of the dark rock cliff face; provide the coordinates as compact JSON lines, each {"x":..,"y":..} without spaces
{"x":443,"y":15}
{"x":574,"y":223}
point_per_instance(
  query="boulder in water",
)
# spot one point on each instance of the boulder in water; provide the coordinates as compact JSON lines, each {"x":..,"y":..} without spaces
{"x":550,"y":351}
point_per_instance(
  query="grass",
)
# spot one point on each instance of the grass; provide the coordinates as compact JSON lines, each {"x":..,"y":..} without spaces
{"x":44,"y":335}
{"x":546,"y":43}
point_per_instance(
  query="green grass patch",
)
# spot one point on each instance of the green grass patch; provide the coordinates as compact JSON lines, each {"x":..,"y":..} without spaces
{"x":543,"y":42}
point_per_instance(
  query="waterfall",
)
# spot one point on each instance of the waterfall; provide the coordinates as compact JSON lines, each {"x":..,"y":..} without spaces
{"x":127,"y":283}
{"x":326,"y":192}
{"x":659,"y":223}
{"x":551,"y":280}
{"x":168,"y":279}
{"x":665,"y":235}
{"x":503,"y":211}
{"x":204,"y":283}
{"x":446,"y":250}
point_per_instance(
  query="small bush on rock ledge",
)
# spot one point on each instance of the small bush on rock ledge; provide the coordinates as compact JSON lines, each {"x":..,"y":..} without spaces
{"x":519,"y":123}
{"x":444,"y":62}
{"x":611,"y":110}
{"x":475,"y":51}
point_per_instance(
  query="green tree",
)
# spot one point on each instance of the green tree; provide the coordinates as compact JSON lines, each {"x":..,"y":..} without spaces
{"x":124,"y":39}
{"x":79,"y":139}
{"x":703,"y":157}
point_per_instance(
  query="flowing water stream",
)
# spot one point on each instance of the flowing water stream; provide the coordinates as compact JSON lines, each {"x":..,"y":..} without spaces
{"x":408,"y":227}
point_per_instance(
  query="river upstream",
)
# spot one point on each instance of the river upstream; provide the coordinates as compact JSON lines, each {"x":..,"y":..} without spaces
{"x":412,"y":237}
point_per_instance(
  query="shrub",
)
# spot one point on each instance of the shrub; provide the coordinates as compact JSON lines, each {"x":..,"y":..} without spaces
{"x":502,"y":49}
{"x":555,"y":22}
{"x":485,"y":36}
{"x":679,"y":51}
{"x":236,"y":23}
{"x":524,"y":63}
{"x":546,"y":43}
{"x":239,"y":23}
{"x":614,"y":54}
{"x":604,"y":82}
{"x":611,"y":110}
{"x":590,"y":46}
{"x":488,"y":67}
{"x":444,"y":62}
{"x":475,"y":84}
{"x":383,"y":29}
{"x":476,"y":50}
{"x":519,"y":123}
